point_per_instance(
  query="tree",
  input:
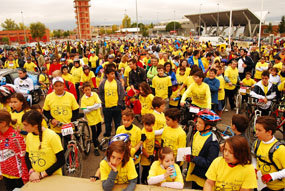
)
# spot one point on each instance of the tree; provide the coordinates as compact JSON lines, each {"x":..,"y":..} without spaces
{"x":269,"y":28}
{"x":57,"y":33}
{"x":21,"y":26}
{"x":66,"y":34}
{"x":38,"y":30}
{"x":170,"y":26}
{"x":126,"y":22}
{"x":150,"y":26}
{"x":114,"y":28}
{"x":9,"y":24}
{"x":5,"y":40}
{"x":282,"y":25}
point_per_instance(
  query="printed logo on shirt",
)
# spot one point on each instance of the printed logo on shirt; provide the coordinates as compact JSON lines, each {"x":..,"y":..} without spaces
{"x":228,"y":186}
{"x":36,"y":159}
{"x":6,"y":154}
{"x":60,"y":110}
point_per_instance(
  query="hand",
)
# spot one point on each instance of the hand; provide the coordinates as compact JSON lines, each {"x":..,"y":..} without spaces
{"x":54,"y":122}
{"x":178,"y":93}
{"x":94,"y":178}
{"x":44,"y":174}
{"x":244,"y":65}
{"x":182,"y":104}
{"x":266,"y":178}
{"x":265,"y":100}
{"x":112,"y":167}
{"x":189,"y":158}
{"x":35,"y":177}
{"x":143,"y":137}
{"x":168,"y":172}
{"x":230,"y":84}
{"x":151,"y":158}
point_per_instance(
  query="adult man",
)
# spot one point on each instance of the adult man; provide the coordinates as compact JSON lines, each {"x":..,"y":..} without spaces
{"x":245,"y":64}
{"x":152,"y":71}
{"x":196,"y":60}
{"x":136,"y":76}
{"x":24,"y":84}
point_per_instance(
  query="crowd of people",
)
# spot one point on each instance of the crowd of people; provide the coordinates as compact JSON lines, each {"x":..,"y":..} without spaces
{"x":149,"y":81}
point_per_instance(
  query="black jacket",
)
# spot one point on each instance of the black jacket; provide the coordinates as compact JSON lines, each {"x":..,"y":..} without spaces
{"x":249,"y":63}
{"x":208,"y":153}
{"x":136,"y":77}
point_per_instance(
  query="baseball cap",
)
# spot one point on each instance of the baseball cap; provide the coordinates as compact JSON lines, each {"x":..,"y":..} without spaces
{"x":57,"y":79}
{"x":111,"y":56}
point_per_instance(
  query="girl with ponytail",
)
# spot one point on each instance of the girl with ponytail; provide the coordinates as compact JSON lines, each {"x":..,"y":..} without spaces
{"x":44,"y":152}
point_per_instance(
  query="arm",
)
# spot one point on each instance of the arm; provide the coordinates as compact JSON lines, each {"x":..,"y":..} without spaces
{"x":169,"y":91}
{"x":254,"y":92}
{"x":278,"y":175}
{"x":110,"y":182}
{"x":58,"y":164}
{"x":94,"y":107}
{"x":175,"y":185}
{"x":186,"y":94}
{"x":209,"y":97}
{"x":149,"y":74}
{"x":206,"y":162}
{"x":47,"y":114}
{"x":72,"y":90}
{"x":209,"y":185}
{"x":28,"y":162}
{"x":216,"y":86}
{"x":156,"y":179}
{"x":132,"y":185}
{"x":75,"y":115}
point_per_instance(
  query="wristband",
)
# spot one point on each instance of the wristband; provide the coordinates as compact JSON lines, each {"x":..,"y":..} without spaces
{"x":31,"y":171}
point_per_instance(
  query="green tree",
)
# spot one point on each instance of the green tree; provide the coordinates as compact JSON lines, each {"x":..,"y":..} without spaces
{"x":282,"y":25}
{"x":170,"y":26}
{"x":9,"y":24}
{"x":150,"y":26}
{"x":38,"y":30}
{"x":66,"y":34}
{"x":114,"y":28}
{"x":57,"y":33}
{"x":5,"y":40}
{"x":21,"y":26}
{"x":126,"y":22}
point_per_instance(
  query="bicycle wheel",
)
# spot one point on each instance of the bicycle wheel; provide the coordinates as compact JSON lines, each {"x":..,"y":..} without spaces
{"x":73,"y":162}
{"x":250,"y":132}
{"x":238,"y":104}
{"x":191,"y":131}
{"x":85,"y":137}
{"x":218,"y":133}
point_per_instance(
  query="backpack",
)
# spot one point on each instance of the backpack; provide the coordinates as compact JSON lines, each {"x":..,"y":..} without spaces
{"x":270,"y":153}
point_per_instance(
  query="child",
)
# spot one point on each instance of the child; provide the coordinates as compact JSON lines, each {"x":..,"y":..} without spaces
{"x":199,"y":92}
{"x":173,"y":135}
{"x":174,"y":98}
{"x":232,"y":171}
{"x":148,"y":146}
{"x":117,"y":167}
{"x":91,"y":104}
{"x":43,"y":78}
{"x":88,"y":76}
{"x":270,"y":154}
{"x":12,"y":164}
{"x":145,"y":98}
{"x":38,"y":108}
{"x":247,"y":82}
{"x":274,"y":78}
{"x":181,"y":77}
{"x":162,"y":84}
{"x":205,"y":148}
{"x":158,"y":105}
{"x":221,"y":92}
{"x":19,"y":106}
{"x":43,"y":145}
{"x":135,"y":136}
{"x":259,"y":68}
{"x":214,"y":85}
{"x":165,"y":172}
{"x":239,"y":124}
{"x":66,"y":75}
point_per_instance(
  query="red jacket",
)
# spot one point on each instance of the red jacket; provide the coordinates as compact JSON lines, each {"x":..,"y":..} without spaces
{"x":12,"y":155}
{"x":54,"y":67}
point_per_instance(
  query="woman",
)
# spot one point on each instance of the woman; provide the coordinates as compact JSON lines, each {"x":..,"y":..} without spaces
{"x":44,"y":152}
{"x":169,"y":72}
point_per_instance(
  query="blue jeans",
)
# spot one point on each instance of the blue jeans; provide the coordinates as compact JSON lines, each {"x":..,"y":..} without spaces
{"x":110,"y":114}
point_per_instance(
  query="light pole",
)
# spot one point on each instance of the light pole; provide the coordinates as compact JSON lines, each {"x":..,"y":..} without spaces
{"x":137,"y":20}
{"x":218,"y":20}
{"x":259,"y":35}
{"x":230,"y":28}
{"x":24,"y":26}
{"x":200,"y":19}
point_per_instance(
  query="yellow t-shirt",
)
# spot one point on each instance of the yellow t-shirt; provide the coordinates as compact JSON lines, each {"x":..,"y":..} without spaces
{"x":221,"y":92}
{"x":189,"y":80}
{"x":146,"y":103}
{"x":181,"y":80}
{"x":44,"y":79}
{"x":5,"y":107}
{"x":278,"y":66}
{"x":174,"y":138}
{"x":282,"y":79}
{"x":18,"y":117}
{"x":257,"y":74}
{"x":123,"y":65}
{"x":111,"y":94}
{"x":156,"y":169}
{"x":68,"y":77}
{"x":148,"y":145}
{"x":126,"y":173}
{"x":278,"y":158}
{"x":135,"y":137}
{"x":161,"y":86}
{"x":30,"y":67}
{"x":249,"y":82}
{"x":232,"y":74}
{"x":87,"y":78}
{"x":173,"y":96}
{"x":231,"y":178}
{"x":85,"y":60}
{"x":200,"y":95}
{"x":205,"y":62}
{"x":94,"y":117}
{"x":197,"y":145}
{"x":126,"y":74}
{"x":76,"y":74}
{"x":60,"y":107}
{"x":93,"y":60}
{"x":160,"y":123}
{"x":11,"y":65}
{"x":45,"y":157}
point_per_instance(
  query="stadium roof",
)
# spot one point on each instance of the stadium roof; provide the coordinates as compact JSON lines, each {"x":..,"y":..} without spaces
{"x":239,"y":17}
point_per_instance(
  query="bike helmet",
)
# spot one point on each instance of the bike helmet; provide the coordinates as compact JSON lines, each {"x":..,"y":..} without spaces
{"x":208,"y":115}
{"x":120,"y":137}
{"x":6,"y":91}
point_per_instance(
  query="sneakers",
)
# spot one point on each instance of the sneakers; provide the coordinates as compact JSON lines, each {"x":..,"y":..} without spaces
{"x":96,"y":152}
{"x":226,"y":110}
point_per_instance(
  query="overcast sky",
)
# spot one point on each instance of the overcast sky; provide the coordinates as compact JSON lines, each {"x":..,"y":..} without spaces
{"x":59,"y":14}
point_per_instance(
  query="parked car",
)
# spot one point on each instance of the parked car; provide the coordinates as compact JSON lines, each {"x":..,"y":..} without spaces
{"x":11,"y":74}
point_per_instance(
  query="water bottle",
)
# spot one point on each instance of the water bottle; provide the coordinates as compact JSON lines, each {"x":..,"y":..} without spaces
{"x":173,"y":175}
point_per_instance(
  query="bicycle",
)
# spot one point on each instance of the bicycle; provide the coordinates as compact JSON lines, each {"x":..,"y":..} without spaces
{"x":80,"y":142}
{"x":279,"y":114}
{"x":240,"y":104}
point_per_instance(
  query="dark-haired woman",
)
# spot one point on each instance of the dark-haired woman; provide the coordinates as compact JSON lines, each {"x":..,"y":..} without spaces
{"x":12,"y":154}
{"x":44,"y":152}
{"x":232,"y":171}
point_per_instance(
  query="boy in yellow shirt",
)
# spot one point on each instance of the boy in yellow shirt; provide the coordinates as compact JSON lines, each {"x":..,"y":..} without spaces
{"x":91,"y":104}
{"x":88,"y":76}
{"x":43,"y":78}
{"x":162,"y":83}
{"x":135,"y":136}
{"x":158,"y":105}
{"x":147,"y":156}
{"x":29,"y":65}
{"x":247,"y":82}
